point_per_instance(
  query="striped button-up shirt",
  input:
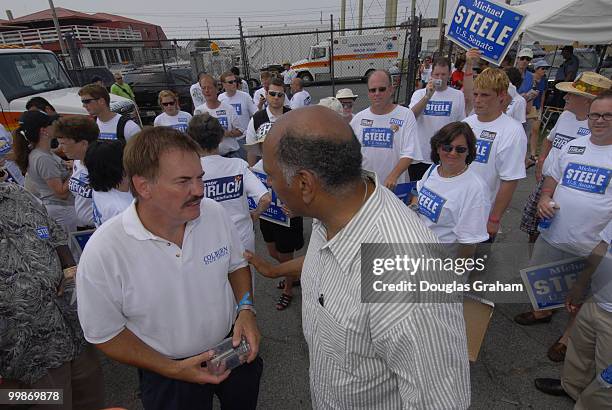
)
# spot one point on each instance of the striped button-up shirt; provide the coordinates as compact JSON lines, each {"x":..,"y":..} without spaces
{"x":382,"y":355}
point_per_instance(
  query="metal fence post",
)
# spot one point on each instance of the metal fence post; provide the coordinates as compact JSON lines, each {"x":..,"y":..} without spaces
{"x":331,"y":54}
{"x":399,"y":86}
{"x":244,"y":54}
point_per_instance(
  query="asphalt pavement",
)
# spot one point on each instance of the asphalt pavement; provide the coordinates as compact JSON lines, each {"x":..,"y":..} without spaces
{"x":502,"y":378}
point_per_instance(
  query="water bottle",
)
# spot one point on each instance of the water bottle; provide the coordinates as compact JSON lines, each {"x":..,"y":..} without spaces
{"x":605,"y":378}
{"x":545,"y":222}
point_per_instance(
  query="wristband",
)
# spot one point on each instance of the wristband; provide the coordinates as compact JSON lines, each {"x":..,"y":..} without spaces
{"x":547,"y":191}
{"x":468,"y":74}
{"x":493,"y":220}
{"x":70,"y":273}
{"x":246,"y":307}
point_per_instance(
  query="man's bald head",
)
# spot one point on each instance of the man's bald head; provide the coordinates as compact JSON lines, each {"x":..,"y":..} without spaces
{"x":297,"y":85}
{"x":318,"y":140}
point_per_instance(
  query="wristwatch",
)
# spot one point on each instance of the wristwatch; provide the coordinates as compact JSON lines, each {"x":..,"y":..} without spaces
{"x":246,"y":306}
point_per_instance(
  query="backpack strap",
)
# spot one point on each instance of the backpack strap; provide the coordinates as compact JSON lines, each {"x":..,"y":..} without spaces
{"x":123,"y":120}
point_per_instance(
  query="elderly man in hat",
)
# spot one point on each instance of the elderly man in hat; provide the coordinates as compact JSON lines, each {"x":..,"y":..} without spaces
{"x":576,"y":193}
{"x":347,"y":99}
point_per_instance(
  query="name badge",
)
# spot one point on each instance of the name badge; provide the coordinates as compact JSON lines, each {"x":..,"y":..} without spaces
{"x":180,"y":127}
{"x":42,"y":232}
{"x":488,"y":135}
{"x":576,"y":150}
{"x":439,"y":108}
{"x":367,"y":123}
{"x":586,"y":178}
{"x":224,"y":189}
{"x":238,"y":108}
{"x":107,"y":136}
{"x":560,"y":140}
{"x":430,"y":204}
{"x":377,"y":138}
{"x":584,"y":131}
{"x":483,"y":151}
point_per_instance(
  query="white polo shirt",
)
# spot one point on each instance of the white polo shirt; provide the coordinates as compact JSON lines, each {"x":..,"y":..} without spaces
{"x":108,"y":129}
{"x":176,"y":300}
{"x":180,"y":121}
{"x":442,"y":108}
{"x":501,"y":146}
{"x":385,"y":139}
{"x":299,"y":100}
{"x":243,"y":105}
{"x":229,"y":181}
{"x":228,"y":119}
{"x":82,"y":192}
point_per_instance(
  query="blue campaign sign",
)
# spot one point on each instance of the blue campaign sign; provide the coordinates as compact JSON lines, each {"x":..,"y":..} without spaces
{"x":486,"y":25}
{"x":548,"y":285}
{"x":404,"y":191}
{"x":274,"y":213}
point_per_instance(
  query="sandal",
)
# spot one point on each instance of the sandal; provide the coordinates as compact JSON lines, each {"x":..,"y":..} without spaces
{"x":528,"y":319}
{"x":284,"y":301}
{"x":556,"y":352}
{"x":281,"y":284}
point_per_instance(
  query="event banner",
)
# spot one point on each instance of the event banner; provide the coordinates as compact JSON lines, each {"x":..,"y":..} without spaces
{"x":274,"y":213}
{"x":487,"y":25}
{"x":548,"y":285}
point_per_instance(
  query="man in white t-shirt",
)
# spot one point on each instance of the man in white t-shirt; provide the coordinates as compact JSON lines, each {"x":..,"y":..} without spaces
{"x":260,"y":95}
{"x":588,"y":349}
{"x":158,"y":284}
{"x":288,"y":75}
{"x":425,"y":71}
{"x":242,"y":103}
{"x":300,"y":97}
{"x":229,"y":180}
{"x":433,"y":106}
{"x":74,"y":135}
{"x":96,"y":101}
{"x":385,"y":131}
{"x":501,"y":143}
{"x":196,"y":92}
{"x":172,"y":115}
{"x":222,"y":111}
{"x":275,"y":109}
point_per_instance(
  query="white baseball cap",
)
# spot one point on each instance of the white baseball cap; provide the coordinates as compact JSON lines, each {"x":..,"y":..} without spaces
{"x":332,"y":103}
{"x":345,"y":93}
{"x":525,"y":52}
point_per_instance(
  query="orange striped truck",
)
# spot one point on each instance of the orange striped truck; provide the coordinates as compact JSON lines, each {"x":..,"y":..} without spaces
{"x":31,"y":72}
{"x":355,"y":57}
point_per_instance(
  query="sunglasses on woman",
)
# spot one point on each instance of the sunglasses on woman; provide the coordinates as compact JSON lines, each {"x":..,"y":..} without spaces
{"x":459,"y":149}
{"x":168,"y":104}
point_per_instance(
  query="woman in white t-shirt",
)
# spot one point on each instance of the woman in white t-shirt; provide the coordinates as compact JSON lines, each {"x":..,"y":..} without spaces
{"x":172,"y":115}
{"x":229,"y":180}
{"x":452,"y":199}
{"x":111,"y":190}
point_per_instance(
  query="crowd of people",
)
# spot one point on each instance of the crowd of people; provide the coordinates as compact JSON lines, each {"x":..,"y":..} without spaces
{"x":165,"y":276}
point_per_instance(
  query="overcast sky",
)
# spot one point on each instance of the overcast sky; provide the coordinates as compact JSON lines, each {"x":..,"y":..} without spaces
{"x":187,"y":18}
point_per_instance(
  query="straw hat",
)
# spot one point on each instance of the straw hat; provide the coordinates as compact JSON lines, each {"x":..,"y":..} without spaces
{"x":587,"y":84}
{"x":261,"y":133}
{"x":345,"y":93}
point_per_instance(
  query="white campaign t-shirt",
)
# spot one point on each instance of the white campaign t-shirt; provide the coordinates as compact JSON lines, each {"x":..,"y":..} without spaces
{"x":228,"y":119}
{"x":385,"y":139}
{"x":108,"y":204}
{"x":584,"y":195}
{"x":565,"y":130}
{"x":177,"y":300}
{"x":6,"y":145}
{"x":262,"y":91}
{"x":501,"y":146}
{"x":179,"y":121}
{"x":82,"y":192}
{"x":196,"y":95}
{"x":456,"y":209}
{"x":108,"y":129}
{"x":443,"y":108}
{"x":251,"y":132}
{"x":517,"y":108}
{"x":243,"y":105}
{"x":299,"y":100}
{"x":601,"y":283}
{"x":229,"y":181}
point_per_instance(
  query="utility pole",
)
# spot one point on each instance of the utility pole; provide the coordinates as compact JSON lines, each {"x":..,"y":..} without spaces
{"x":413,"y":54}
{"x":342,"y":16}
{"x":57,"y":28}
{"x":391,"y":13}
{"x":244,"y":54}
{"x":360,"y":16}
{"x":441,"y":16}
{"x":331,"y":54}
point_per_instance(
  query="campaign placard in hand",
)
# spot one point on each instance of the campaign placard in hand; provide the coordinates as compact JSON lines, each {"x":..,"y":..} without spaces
{"x":275,"y":212}
{"x":487,"y":25}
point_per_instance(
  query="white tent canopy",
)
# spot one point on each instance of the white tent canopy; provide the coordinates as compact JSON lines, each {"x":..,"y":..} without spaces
{"x":556,"y":22}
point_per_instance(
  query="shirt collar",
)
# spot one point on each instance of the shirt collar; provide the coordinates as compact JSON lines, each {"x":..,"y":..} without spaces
{"x":133,"y":225}
{"x":347,"y":243}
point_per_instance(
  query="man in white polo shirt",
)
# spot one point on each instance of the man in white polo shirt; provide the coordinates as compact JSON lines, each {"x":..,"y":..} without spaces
{"x":433,"y":106}
{"x":300,"y":97}
{"x":223,"y":112}
{"x":242,"y":103}
{"x":385,"y":131}
{"x":159,"y":283}
{"x":501,"y":143}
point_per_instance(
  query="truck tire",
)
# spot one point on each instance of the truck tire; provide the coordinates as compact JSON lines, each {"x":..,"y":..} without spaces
{"x":306,"y":77}
{"x":367,"y":74}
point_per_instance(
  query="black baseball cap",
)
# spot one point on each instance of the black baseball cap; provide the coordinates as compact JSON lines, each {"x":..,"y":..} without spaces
{"x":32,"y":121}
